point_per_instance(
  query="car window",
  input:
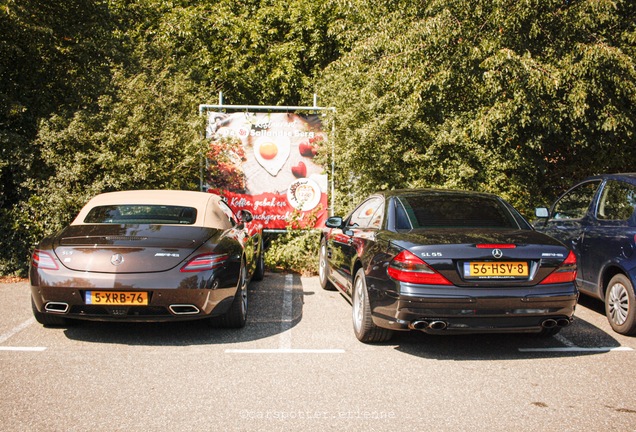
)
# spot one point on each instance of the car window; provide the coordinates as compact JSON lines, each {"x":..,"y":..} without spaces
{"x":141,"y":214}
{"x":617,"y":201}
{"x":402,"y":220}
{"x":456,"y":211}
{"x":575,"y":204}
{"x":228,"y":212}
{"x":369,"y":214}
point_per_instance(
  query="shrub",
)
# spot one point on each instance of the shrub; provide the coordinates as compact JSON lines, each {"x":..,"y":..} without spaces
{"x":295,"y":250}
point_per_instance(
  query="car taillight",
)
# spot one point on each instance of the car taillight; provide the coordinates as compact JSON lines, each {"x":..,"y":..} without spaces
{"x":205,"y":262}
{"x":407,"y":267}
{"x":43,"y":260}
{"x":566,"y":272}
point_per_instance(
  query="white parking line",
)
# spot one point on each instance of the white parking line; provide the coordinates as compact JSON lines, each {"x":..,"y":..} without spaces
{"x":15,"y":330}
{"x":285,"y":351}
{"x":565,"y":341}
{"x":285,"y":339}
{"x":572,"y":347}
{"x":24,"y":349}
{"x":287,"y":314}
{"x":576,"y":349}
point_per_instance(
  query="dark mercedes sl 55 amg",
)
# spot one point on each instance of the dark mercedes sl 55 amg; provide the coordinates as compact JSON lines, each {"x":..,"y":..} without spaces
{"x":446,"y":261}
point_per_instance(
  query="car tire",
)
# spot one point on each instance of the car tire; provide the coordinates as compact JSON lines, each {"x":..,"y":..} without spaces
{"x":323,"y":268}
{"x":620,"y":305}
{"x":363,"y":327}
{"x":48,"y":320}
{"x":259,"y":272}
{"x":236,"y":316}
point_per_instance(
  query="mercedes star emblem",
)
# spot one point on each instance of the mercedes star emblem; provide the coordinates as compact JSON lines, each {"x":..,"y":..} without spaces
{"x":116,"y":259}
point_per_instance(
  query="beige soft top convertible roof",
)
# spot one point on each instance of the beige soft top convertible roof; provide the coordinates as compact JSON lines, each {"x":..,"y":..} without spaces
{"x":208,"y":212}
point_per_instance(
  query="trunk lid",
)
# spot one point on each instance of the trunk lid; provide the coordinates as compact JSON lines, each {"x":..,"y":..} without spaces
{"x":495,"y":253}
{"x":128,"y":248}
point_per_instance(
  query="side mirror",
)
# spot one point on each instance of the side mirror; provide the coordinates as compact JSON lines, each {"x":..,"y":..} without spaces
{"x":541,"y":212}
{"x":334,"y":222}
{"x":245,"y":216}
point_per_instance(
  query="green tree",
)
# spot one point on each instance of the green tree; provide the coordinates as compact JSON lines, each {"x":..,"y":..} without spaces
{"x":520,"y":98}
{"x":517,"y":97}
{"x":53,"y":57}
{"x":102,"y":94}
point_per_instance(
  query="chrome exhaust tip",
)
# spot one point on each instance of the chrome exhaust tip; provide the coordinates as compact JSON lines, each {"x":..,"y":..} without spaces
{"x":56,"y":307}
{"x":184,"y":309}
{"x":418,"y":325}
{"x":563,"y":322}
{"x":549,"y":323}
{"x":438,"y":325}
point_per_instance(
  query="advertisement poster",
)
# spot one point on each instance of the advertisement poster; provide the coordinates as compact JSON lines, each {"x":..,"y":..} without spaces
{"x":264,"y":163}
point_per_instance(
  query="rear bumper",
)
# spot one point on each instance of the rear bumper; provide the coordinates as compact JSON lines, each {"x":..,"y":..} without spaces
{"x":171,"y":296}
{"x":163,"y":305}
{"x":474,"y":310}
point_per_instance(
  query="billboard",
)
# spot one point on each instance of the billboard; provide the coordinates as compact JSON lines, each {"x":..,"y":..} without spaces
{"x":264,"y":163}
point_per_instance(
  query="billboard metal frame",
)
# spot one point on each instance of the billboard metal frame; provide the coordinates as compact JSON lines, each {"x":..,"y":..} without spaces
{"x":203,"y":108}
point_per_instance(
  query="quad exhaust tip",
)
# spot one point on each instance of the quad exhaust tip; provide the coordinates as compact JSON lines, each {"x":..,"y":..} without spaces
{"x":424,"y":325}
{"x":551,"y":323}
{"x":418,"y":325}
{"x":56,"y":307}
{"x":438,"y":325}
{"x":184,"y":309}
{"x":563,"y":322}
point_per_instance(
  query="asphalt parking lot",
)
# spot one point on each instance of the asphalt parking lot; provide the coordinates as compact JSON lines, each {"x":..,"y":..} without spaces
{"x":298,"y":366}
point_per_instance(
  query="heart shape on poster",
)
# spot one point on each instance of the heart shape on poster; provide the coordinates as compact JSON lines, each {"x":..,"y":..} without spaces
{"x":272,"y":153}
{"x":300,"y":170}
{"x":307,"y":150}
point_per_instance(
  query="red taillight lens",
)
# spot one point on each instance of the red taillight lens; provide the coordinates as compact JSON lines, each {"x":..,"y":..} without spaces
{"x":43,"y":260}
{"x":407,"y":267}
{"x":566,"y":272}
{"x":205,"y":262}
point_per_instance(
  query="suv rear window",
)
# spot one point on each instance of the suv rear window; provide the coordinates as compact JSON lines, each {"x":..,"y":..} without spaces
{"x":141,"y":214}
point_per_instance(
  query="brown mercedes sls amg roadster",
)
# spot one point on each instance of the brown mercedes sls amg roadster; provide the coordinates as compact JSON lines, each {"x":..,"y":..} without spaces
{"x":153,"y":255}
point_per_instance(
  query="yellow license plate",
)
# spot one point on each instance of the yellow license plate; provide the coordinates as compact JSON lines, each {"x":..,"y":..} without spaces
{"x":496,"y":269}
{"x":116,"y":298}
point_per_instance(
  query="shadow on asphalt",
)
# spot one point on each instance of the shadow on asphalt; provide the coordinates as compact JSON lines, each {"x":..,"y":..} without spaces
{"x":509,"y":346}
{"x":592,"y":303}
{"x":266,"y":319}
{"x":265,"y":300}
{"x":581,"y":338}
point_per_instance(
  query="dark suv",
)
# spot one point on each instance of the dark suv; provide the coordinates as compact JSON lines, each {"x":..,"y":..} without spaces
{"x":596,"y":218}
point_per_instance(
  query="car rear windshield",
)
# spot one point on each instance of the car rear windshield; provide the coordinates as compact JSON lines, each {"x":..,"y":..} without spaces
{"x":141,"y":214}
{"x":455,"y":211}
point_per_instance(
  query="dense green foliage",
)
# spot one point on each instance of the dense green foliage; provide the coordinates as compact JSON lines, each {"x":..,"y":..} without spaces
{"x":517,"y":97}
{"x":295,"y":250}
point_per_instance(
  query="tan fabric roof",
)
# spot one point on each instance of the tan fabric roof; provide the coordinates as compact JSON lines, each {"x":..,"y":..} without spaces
{"x":208,"y":212}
